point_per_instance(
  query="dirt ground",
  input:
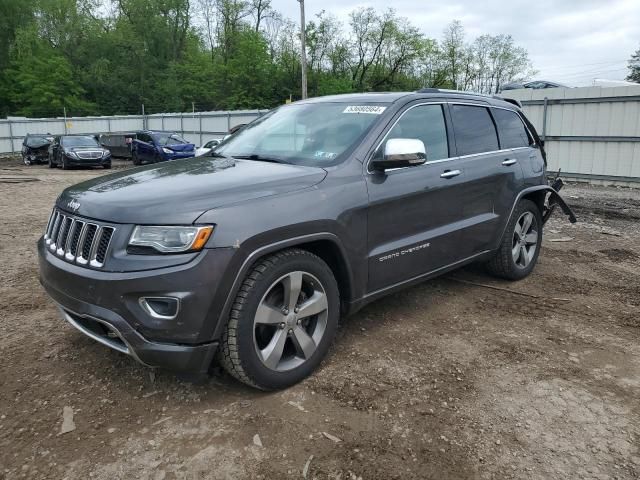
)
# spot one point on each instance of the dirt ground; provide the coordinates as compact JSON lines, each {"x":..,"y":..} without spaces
{"x":538,"y":379}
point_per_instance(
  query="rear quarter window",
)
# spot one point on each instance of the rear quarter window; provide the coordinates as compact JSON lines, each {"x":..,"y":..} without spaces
{"x":473,"y":129}
{"x":511,"y":130}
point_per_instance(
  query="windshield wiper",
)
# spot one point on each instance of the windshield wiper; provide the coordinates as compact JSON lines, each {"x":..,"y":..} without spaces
{"x":261,"y":158}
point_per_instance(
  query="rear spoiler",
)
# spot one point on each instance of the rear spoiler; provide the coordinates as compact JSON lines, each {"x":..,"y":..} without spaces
{"x":512,"y":101}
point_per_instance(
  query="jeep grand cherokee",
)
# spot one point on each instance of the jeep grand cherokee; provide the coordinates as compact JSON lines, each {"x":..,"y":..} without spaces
{"x":250,"y":256}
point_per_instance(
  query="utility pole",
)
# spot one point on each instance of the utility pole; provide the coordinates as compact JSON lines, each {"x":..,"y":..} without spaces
{"x":303,"y":50}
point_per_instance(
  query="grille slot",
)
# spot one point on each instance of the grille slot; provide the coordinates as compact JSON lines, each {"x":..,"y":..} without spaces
{"x":103,"y":244}
{"x":62,"y":236}
{"x":74,"y":237}
{"x":77,"y":240}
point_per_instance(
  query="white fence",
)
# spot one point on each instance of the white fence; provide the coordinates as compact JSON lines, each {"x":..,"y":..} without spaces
{"x":590,"y":133}
{"x":196,"y":127}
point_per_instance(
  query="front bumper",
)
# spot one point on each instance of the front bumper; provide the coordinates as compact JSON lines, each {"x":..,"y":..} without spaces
{"x":119,"y":336}
{"x":99,"y":162}
{"x":178,"y":155}
{"x":105,"y":306}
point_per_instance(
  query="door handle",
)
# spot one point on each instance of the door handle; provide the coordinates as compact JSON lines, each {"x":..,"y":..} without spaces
{"x":509,"y":161}
{"x":450,"y":173}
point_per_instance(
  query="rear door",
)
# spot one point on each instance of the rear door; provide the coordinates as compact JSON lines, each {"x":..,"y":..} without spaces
{"x":492,"y":177}
{"x":413,"y":211}
{"x":515,"y":136}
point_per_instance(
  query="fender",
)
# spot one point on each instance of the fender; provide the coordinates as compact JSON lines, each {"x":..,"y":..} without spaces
{"x":265,"y":250}
{"x":554,"y":199}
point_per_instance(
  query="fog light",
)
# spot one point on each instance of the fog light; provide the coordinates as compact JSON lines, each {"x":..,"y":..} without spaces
{"x":164,"y":308}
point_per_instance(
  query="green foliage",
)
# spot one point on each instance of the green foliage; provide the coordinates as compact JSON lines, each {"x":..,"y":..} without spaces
{"x":111,"y":56}
{"x":634,"y":67}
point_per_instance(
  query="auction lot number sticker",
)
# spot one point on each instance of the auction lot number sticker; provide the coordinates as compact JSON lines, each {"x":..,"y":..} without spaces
{"x":371,"y":109}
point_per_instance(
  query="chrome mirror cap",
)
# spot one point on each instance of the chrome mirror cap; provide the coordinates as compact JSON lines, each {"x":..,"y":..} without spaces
{"x":401,"y":152}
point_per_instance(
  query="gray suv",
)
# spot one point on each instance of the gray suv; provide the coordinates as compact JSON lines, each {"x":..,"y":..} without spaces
{"x":250,"y":256}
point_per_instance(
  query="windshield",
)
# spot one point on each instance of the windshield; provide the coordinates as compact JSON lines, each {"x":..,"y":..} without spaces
{"x":314,"y":134}
{"x":168,"y":139}
{"x":79,"y":141}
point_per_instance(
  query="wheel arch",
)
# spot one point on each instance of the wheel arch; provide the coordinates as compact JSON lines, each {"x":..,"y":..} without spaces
{"x":325,"y":245}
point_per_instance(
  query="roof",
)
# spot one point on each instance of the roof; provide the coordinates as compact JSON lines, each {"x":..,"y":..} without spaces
{"x":173,"y":132}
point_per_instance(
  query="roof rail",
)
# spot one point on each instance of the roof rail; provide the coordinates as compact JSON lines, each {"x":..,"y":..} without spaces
{"x":512,"y":101}
{"x":455,"y":92}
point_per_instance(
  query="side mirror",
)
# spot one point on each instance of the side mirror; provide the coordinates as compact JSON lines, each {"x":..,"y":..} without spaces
{"x":401,"y":152}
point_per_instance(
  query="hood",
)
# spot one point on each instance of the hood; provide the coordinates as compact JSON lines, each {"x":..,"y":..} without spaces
{"x":181,"y":147}
{"x":178,"y":192}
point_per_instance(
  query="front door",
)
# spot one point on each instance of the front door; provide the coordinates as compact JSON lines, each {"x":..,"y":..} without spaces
{"x":144,"y":147}
{"x":414,"y":211}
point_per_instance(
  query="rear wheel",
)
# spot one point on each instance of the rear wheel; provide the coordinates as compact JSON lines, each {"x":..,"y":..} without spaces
{"x":282,"y":322}
{"x":520,"y":247}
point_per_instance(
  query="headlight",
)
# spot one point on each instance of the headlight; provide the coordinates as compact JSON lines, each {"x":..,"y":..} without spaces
{"x":167,"y":150}
{"x":71,"y":154}
{"x":171,"y":239}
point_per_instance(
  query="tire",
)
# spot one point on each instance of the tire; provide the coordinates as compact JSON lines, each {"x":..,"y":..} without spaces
{"x":52,"y":164}
{"x":107,"y":166}
{"x":135,"y":159}
{"x":518,"y":255}
{"x":247,"y":340}
{"x":64,"y":164}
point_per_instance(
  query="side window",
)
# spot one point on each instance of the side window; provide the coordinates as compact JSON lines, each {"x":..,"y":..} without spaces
{"x":474,"y":129}
{"x":512,"y":132}
{"x":426,"y":123}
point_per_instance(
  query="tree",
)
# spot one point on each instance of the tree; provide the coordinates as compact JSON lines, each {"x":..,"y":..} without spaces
{"x":43,"y":83}
{"x":111,"y":56}
{"x":634,"y":67}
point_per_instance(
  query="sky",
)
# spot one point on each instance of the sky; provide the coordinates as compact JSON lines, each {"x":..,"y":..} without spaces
{"x":571,"y":41}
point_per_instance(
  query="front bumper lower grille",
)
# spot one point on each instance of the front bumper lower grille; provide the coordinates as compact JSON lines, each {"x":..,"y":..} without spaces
{"x":78,"y":240}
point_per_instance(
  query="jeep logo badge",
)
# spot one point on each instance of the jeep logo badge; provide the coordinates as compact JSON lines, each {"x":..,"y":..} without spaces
{"x":73,"y":205}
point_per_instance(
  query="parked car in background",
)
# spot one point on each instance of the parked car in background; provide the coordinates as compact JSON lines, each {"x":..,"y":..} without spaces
{"x":119,"y":144}
{"x":78,"y":151}
{"x":233,"y":130}
{"x":536,"y":85}
{"x":35,"y":148}
{"x":305,"y":215}
{"x":207,"y":147}
{"x":152,"y":146}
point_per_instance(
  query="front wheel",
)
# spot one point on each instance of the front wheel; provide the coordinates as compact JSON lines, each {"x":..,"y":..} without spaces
{"x":520,"y":246}
{"x":282,"y":322}
{"x":135,"y":159}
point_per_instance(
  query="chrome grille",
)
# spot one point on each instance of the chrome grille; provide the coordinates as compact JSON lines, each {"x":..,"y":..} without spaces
{"x":78,"y":240}
{"x":89,"y":154}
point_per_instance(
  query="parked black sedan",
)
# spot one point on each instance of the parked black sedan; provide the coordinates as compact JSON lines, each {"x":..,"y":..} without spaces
{"x":78,"y":151}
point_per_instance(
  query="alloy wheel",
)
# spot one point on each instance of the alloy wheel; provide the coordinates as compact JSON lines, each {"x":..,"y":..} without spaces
{"x":525,"y":240}
{"x":290,"y":321}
